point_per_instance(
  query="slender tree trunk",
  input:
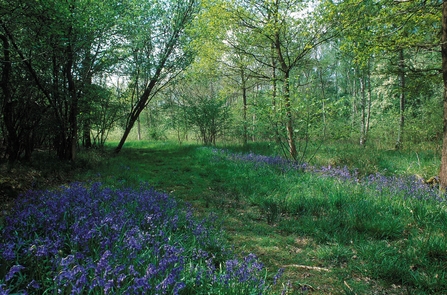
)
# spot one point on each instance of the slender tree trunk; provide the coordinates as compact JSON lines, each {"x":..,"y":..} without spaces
{"x":289,"y":125}
{"x":133,"y":116}
{"x":443,"y":170}
{"x":138,"y":129}
{"x":244,"y":101}
{"x":86,"y":139}
{"x":363,"y":110}
{"x":354,"y":101}
{"x":285,"y":68}
{"x":368,"y":115}
{"x":137,"y":93}
{"x":73,"y":108}
{"x":87,"y":75}
{"x":181,"y":22}
{"x":273,"y":53}
{"x":323,"y":94}
{"x":274,"y":96}
{"x":12,"y":145}
{"x":399,"y":140}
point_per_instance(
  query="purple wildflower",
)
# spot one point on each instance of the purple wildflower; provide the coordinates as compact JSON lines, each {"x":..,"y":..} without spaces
{"x":278,"y":275}
{"x":33,"y":284}
{"x":13,"y":270}
{"x":3,"y":291}
{"x":127,"y":241}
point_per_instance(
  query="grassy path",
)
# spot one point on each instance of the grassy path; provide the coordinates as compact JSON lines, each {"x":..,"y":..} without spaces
{"x":313,"y":263}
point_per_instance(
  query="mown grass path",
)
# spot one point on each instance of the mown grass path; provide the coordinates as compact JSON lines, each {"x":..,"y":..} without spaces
{"x":325,"y":244}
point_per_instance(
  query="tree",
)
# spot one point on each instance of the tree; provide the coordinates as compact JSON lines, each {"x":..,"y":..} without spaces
{"x":162,"y":34}
{"x":443,"y":170}
{"x":388,"y":28}
{"x":283,"y":33}
{"x":210,"y":115}
{"x":59,"y":46}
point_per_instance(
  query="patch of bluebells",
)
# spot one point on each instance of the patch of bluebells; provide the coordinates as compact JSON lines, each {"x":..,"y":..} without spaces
{"x":260,"y":160}
{"x":93,"y":239}
{"x":405,"y":186}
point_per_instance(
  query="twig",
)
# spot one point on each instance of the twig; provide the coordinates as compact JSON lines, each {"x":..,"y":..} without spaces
{"x":308,"y":267}
{"x":349,"y":288}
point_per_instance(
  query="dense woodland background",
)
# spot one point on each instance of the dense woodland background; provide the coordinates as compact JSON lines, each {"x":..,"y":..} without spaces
{"x":295,"y":73}
{"x":317,"y":116}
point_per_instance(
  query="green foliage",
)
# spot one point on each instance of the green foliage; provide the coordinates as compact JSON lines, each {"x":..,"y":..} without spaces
{"x":273,"y":63}
{"x":210,"y":116}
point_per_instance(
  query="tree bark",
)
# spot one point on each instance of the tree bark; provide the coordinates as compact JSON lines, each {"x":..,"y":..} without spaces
{"x":323,"y":95}
{"x":12,"y":140}
{"x":289,"y":125}
{"x":244,"y":105}
{"x":285,"y":68}
{"x":142,"y":102}
{"x":399,"y":142}
{"x":363,"y":110}
{"x":72,"y":133}
{"x":274,"y":95}
{"x":443,"y":171}
{"x":183,"y":16}
{"x":354,"y":100}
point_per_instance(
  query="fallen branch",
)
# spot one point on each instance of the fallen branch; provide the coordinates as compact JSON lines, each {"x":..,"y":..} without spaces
{"x":307,"y":267}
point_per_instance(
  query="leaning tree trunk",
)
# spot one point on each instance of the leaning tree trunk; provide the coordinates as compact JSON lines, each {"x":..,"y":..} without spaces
{"x":443,"y":172}
{"x":133,"y":116}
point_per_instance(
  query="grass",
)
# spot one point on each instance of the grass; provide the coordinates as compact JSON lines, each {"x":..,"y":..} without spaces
{"x":332,"y":230}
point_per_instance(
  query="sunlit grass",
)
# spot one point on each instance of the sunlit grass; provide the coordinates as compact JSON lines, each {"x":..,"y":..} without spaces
{"x":368,"y":226}
{"x":333,"y":229}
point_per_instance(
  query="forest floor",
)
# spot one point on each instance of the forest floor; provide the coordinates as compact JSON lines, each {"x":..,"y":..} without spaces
{"x":44,"y":172}
{"x":182,"y":172}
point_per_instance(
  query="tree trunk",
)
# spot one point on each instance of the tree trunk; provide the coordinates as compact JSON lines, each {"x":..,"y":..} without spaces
{"x":285,"y":68}
{"x":363,"y":110}
{"x":88,"y":78}
{"x":86,"y":139}
{"x":401,"y":100}
{"x":72,"y":135}
{"x":138,"y":129}
{"x":142,"y":102}
{"x":244,"y":102}
{"x":354,"y":100}
{"x":368,"y":115}
{"x":443,"y":171}
{"x":289,"y":125}
{"x":323,"y":95}
{"x":273,"y":53}
{"x":12,"y":140}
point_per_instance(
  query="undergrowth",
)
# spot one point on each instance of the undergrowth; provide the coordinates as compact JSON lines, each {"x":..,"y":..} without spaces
{"x":349,"y":222}
{"x":91,"y":239}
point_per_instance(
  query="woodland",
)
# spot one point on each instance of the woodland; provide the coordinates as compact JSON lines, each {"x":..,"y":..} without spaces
{"x":288,"y":72}
{"x":247,"y":104}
